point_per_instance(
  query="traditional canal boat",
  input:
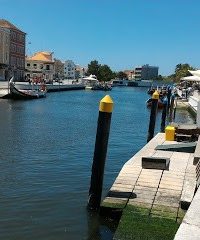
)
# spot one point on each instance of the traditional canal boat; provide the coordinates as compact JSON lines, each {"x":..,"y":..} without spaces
{"x":26,"y":94}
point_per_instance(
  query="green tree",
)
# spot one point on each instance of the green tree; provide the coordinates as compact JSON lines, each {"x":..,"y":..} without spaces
{"x":181,"y":70}
{"x":93,"y":68}
{"x":105,"y":73}
{"x":121,"y":75}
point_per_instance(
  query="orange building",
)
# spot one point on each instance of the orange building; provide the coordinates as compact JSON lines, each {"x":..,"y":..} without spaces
{"x":40,"y":65}
{"x":16,"y":50}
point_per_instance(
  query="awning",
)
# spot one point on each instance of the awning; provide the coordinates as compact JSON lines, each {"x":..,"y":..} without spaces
{"x":191,"y":79}
{"x":195,"y":73}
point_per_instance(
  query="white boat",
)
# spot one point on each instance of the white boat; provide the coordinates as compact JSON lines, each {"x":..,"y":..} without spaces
{"x":90,"y":82}
{"x":54,"y":87}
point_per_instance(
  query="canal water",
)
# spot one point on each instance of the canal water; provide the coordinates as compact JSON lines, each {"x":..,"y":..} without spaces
{"x":46,"y":151}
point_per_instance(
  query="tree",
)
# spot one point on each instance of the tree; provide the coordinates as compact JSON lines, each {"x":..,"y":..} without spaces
{"x":105,"y":73}
{"x":93,"y":68}
{"x":102,"y":72}
{"x":121,"y":75}
{"x":181,"y":70}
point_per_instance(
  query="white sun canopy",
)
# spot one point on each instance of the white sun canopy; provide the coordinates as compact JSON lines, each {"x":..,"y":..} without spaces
{"x":90,"y":78}
{"x":195,"y":73}
{"x":191,"y":79}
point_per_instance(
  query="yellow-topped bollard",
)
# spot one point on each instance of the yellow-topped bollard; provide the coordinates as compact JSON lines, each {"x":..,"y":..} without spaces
{"x":99,"y":158}
{"x":152,"y":120}
{"x":169,"y":133}
{"x":155,"y":95}
{"x":106,"y":104}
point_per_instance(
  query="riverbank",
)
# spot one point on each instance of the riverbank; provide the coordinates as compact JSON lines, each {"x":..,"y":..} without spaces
{"x":150,"y":199}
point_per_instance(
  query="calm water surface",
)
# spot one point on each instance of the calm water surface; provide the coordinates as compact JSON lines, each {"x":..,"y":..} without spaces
{"x":46,"y":151}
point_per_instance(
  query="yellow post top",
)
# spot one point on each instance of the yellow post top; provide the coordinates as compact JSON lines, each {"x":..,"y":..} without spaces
{"x":106,"y":104}
{"x":170,"y":128}
{"x":155,"y":95}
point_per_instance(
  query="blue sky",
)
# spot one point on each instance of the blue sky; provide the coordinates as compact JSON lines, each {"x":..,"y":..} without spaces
{"x":119,"y":33}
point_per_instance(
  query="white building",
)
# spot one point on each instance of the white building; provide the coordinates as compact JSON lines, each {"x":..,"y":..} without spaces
{"x":69,"y":69}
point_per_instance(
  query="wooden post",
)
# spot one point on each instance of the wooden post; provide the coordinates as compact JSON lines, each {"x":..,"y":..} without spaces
{"x":164,"y":114}
{"x":152,"y":119}
{"x":102,"y":135}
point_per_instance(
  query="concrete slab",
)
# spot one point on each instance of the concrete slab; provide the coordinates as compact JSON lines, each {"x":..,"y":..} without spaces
{"x":155,"y":163}
{"x":187,"y":232}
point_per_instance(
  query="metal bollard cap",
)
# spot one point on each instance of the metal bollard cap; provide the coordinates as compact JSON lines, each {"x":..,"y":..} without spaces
{"x":155,"y":95}
{"x":106,"y":104}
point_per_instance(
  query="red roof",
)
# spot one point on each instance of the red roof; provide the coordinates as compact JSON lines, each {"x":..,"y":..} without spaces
{"x":6,"y":24}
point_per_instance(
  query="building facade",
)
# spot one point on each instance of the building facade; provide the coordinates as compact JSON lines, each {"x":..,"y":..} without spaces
{"x":146,"y":72}
{"x":130,"y":74}
{"x":70,"y":69}
{"x":4,"y":52}
{"x":79,"y":71}
{"x":16,"y":66}
{"x":59,"y":69}
{"x":40,"y":66}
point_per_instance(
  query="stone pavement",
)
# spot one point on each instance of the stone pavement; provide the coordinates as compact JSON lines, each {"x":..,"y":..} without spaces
{"x":159,"y":191}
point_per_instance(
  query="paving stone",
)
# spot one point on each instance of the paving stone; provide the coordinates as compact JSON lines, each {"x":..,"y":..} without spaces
{"x":189,"y":187}
{"x":140,"y":200}
{"x":142,"y":205}
{"x":167,"y":204}
{"x":166,"y":199}
{"x":170,"y":182}
{"x":115,"y":200}
{"x":147,"y":184}
{"x":176,"y":194}
{"x":187,"y":232}
{"x":143,"y":188}
{"x":121,"y":188}
{"x":168,"y":186}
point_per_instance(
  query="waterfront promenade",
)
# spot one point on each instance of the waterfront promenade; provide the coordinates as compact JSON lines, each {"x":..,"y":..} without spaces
{"x":151,"y":199}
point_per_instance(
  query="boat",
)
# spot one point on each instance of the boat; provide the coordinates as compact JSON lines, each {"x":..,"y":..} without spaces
{"x":140,"y":83}
{"x":91,"y":83}
{"x":26,"y":94}
{"x":64,"y":85}
{"x":119,"y":83}
{"x":102,"y":86}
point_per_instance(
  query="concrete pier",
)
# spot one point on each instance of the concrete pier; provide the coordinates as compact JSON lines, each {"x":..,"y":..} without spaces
{"x":156,"y":194}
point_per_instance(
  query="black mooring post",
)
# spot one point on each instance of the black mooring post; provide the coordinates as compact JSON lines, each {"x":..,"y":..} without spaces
{"x":171,"y":108}
{"x":169,"y":91}
{"x":102,"y":135}
{"x":164,"y":114}
{"x":152,"y":119}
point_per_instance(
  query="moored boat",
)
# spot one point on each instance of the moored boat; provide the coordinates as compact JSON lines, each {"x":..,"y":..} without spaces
{"x":26,"y":94}
{"x":91,"y":83}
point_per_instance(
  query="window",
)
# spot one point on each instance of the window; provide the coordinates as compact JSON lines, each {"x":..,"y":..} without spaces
{"x":35,"y":65}
{"x":47,"y":67}
{"x":41,"y":66}
{"x":28,"y":64}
